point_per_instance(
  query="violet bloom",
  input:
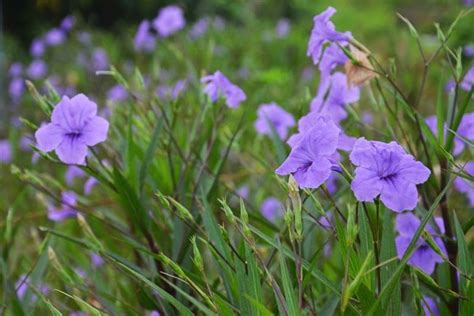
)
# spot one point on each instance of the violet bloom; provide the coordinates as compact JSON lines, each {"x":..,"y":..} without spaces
{"x":144,"y":39}
{"x":465,"y":130}
{"x":117,"y":93}
{"x":89,"y":185}
{"x":218,"y":85}
{"x":464,"y":185}
{"x":424,"y":257}
{"x":37,"y":69}
{"x":16,"y":89}
{"x":430,"y":308}
{"x":271,"y":117}
{"x":243,"y":192}
{"x":55,"y":37}
{"x":311,"y":159}
{"x":169,"y":20}
{"x":100,"y":60}
{"x":154,"y":313}
{"x":386,"y":170}
{"x":199,"y":28}
{"x":449,"y":86}
{"x":367,"y":118}
{"x":66,"y":209}
{"x":282,"y":28}
{"x":333,"y":95}
{"x":15,"y":69}
{"x":5,"y":151}
{"x":272,"y":209}
{"x":322,"y":32}
{"x":72,"y":173}
{"x":68,"y":23}
{"x":171,"y":92}
{"x":21,"y":286}
{"x":37,"y":47}
{"x":469,"y":50}
{"x":96,"y":260}
{"x":307,"y":74}
{"x":468,"y":80}
{"x":332,"y":57}
{"x":74,"y":126}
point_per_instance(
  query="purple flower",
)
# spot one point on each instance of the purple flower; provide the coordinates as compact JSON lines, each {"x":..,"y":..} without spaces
{"x":66,"y":209}
{"x":322,"y":32}
{"x":468,"y":2}
{"x":16,"y":89}
{"x":68,"y":23}
{"x":5,"y":151}
{"x":55,"y":37}
{"x":469,"y":50}
{"x":272,"y":209}
{"x":15,"y":69}
{"x":171,"y":92}
{"x":144,"y":39}
{"x":332,"y":56}
{"x":312,"y":157}
{"x":424,"y":257}
{"x":243,"y":192}
{"x":100,"y":60}
{"x":37,"y":47}
{"x":429,"y":306}
{"x":169,"y":20}
{"x":154,"y":313}
{"x":333,"y":95}
{"x":272,"y":117}
{"x":21,"y":286}
{"x":218,"y":85}
{"x":468,"y":80}
{"x":37,"y":69}
{"x":465,"y":130}
{"x":199,"y":28}
{"x":96,"y":260}
{"x":72,"y":173}
{"x":386,"y":170}
{"x":449,"y":86}
{"x":117,"y":93}
{"x":283,"y":27}
{"x":464,"y":185}
{"x":367,"y":118}
{"x":74,"y":126}
{"x":89,"y":185}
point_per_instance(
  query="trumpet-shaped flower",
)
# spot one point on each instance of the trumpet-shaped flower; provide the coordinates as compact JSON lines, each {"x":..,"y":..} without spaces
{"x":386,"y":170}
{"x":169,"y":20}
{"x":144,"y":39}
{"x":218,"y":85}
{"x":74,"y":126}
{"x":465,"y":130}
{"x":272,"y":116}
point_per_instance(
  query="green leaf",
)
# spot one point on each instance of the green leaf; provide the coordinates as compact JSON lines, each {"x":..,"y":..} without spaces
{"x":465,"y":265}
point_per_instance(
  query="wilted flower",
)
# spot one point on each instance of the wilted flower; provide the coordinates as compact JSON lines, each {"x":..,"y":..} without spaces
{"x":74,"y":126}
{"x":322,"y":32}
{"x":144,"y":39}
{"x":117,"y":93}
{"x":272,"y":209}
{"x":68,"y":23}
{"x":272,"y":117}
{"x":16,"y":89}
{"x":424,"y":257}
{"x":5,"y":151}
{"x":386,"y":170}
{"x":282,"y":28}
{"x":15,"y":69}
{"x":361,"y":72}
{"x":465,"y":130}
{"x":429,"y":306}
{"x":37,"y":47}
{"x":464,"y":185}
{"x":311,"y":159}
{"x":169,"y":20}
{"x":100,"y":60}
{"x":66,"y":209}
{"x":55,"y":37}
{"x":468,"y":80}
{"x":218,"y":85}
{"x":199,"y":28}
{"x":37,"y":69}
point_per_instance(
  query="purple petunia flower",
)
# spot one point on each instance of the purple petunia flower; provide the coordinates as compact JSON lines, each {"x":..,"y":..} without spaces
{"x":199,"y":28}
{"x":170,"y":19}
{"x":66,"y":209}
{"x":312,"y":157}
{"x":96,"y":260}
{"x":117,"y":93}
{"x":68,"y":23}
{"x":54,"y":37}
{"x":72,"y":173}
{"x":37,"y":47}
{"x":37,"y":69}
{"x":424,"y":257}
{"x":468,"y":80}
{"x":154,"y":313}
{"x":89,"y":185}
{"x":218,"y":85}
{"x":144,"y":39}
{"x":464,"y":185}
{"x":100,"y":61}
{"x":386,"y":170}
{"x":74,"y":126}
{"x":322,"y":32}
{"x":430,"y":308}
{"x":465,"y":130}
{"x":16,"y":89}
{"x":333,"y":95}
{"x":5,"y":151}
{"x":272,"y":117}
{"x":272,"y":209}
{"x":330,"y":59}
{"x":15,"y":69}
{"x":283,"y":27}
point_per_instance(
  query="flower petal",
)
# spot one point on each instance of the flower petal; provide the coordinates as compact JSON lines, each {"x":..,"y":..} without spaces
{"x":407,"y":224}
{"x":72,"y":151}
{"x":398,"y":194}
{"x":95,"y":131}
{"x":315,"y":175}
{"x":73,"y":114}
{"x":49,"y":136}
{"x":366,"y":184}
{"x":424,"y":258}
{"x":413,"y":171}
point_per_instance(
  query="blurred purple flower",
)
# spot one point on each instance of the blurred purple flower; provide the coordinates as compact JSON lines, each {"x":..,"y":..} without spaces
{"x":100,"y":61}
{"x":171,"y":92}
{"x":96,"y":260}
{"x":218,"y":85}
{"x":272,"y":209}
{"x":322,"y":32}
{"x":307,"y":74}
{"x":469,"y":50}
{"x":468,"y":80}
{"x":15,"y":69}
{"x":330,"y":59}
{"x":84,"y":37}
{"x":468,"y":2}
{"x":272,"y":117}
{"x":37,"y":47}
{"x":283,"y":27}
{"x":16,"y":89}
{"x":68,"y":23}
{"x":333,"y":95}
{"x":243,"y":192}
{"x":424,"y":257}
{"x":450,"y":85}
{"x":169,"y":20}
{"x":464,"y":185}
{"x":5,"y":151}
{"x":66,"y":209}
{"x":89,"y":185}
{"x":54,"y":37}
{"x":386,"y":170}
{"x":199,"y":28}
{"x":21,"y":286}
{"x":311,"y":157}
{"x":465,"y":130}
{"x":154,"y":313}
{"x":144,"y":39}
{"x":117,"y":93}
{"x":429,"y":307}
{"x":37,"y":69}
{"x":367,"y":118}
{"x":74,"y":126}
{"x":72,"y":173}
{"x":218,"y":23}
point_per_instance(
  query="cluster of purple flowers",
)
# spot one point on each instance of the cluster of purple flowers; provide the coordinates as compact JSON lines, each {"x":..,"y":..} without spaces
{"x":217,"y":85}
